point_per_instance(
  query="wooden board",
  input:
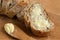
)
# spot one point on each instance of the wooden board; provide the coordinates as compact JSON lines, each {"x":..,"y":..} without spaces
{"x":52,"y":8}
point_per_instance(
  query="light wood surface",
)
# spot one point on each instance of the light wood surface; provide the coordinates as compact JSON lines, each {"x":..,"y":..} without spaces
{"x":52,"y":8}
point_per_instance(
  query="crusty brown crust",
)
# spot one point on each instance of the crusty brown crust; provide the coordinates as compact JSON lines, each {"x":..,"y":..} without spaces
{"x":5,"y":5}
{"x":39,"y":33}
{"x":13,"y":11}
{"x":11,"y":7}
{"x":25,"y":6}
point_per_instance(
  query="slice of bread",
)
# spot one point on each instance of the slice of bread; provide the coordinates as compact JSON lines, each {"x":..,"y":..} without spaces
{"x":37,"y":20}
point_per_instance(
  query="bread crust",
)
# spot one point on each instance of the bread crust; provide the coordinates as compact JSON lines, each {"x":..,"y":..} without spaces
{"x":10,"y":7}
{"x":0,"y":3}
{"x":5,"y":5}
{"x":24,"y":6}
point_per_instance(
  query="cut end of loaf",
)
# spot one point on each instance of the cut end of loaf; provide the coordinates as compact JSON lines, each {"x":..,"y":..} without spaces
{"x":38,"y":20}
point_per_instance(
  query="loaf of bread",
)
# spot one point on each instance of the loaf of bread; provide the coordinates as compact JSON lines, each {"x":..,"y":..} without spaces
{"x":11,"y":7}
{"x":36,"y":19}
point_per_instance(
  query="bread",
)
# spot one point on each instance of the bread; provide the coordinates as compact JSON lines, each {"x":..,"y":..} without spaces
{"x":24,"y":5}
{"x":0,"y":5}
{"x":14,"y":10}
{"x":37,"y":20}
{"x":10,"y":7}
{"x":17,"y":8}
{"x":5,"y":4}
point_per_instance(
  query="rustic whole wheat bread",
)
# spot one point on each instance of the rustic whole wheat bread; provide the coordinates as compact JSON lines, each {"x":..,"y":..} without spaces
{"x":36,"y":19}
{"x":5,"y":6}
{"x":11,"y":7}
